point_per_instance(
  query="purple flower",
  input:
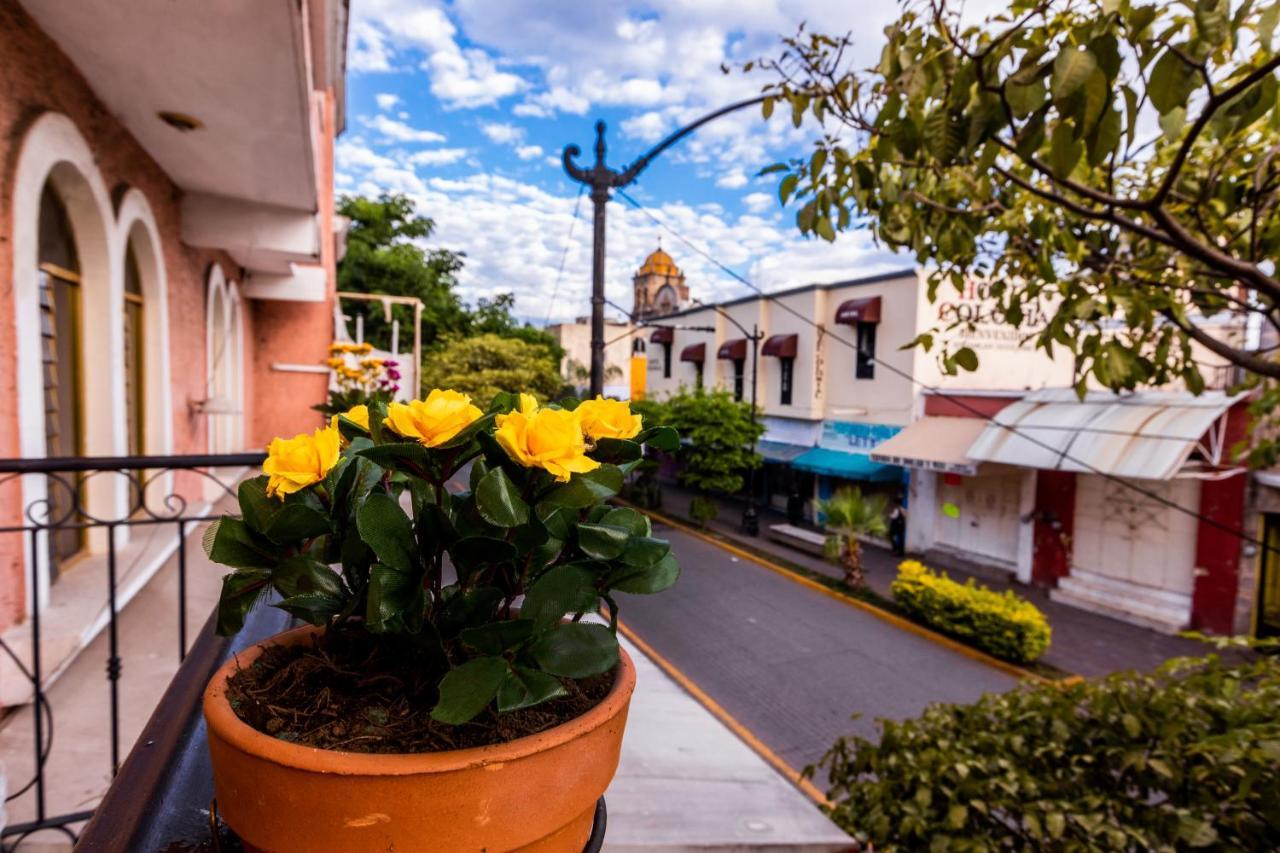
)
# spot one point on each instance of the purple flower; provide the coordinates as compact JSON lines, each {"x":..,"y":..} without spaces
{"x":393,"y":374}
{"x":395,"y":388}
{"x":387,"y":362}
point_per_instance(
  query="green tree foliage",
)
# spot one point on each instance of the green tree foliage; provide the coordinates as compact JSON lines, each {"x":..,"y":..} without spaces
{"x":495,"y":316}
{"x":487,"y":364}
{"x":383,"y":256}
{"x":850,"y":514}
{"x":717,"y":433}
{"x":1184,"y":758}
{"x":1108,"y":163}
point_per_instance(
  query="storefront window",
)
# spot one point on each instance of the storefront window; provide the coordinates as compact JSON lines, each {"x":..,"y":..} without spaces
{"x":738,"y":377}
{"x":788,"y":371}
{"x":866,"y":366}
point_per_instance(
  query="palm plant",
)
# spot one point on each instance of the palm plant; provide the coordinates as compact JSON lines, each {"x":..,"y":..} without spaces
{"x":850,"y":514}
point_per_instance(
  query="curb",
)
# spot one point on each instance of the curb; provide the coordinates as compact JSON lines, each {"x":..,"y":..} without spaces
{"x":744,"y":734}
{"x":892,"y":618}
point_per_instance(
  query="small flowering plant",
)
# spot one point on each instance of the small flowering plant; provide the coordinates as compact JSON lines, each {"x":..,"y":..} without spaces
{"x":481,"y":537}
{"x":359,"y":377}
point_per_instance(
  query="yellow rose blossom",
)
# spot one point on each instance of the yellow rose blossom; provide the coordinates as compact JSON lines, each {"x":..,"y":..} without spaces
{"x":362,"y":348}
{"x":603,"y":418}
{"x":334,"y":362}
{"x":358,"y":415}
{"x":435,"y":420}
{"x":550,"y":439}
{"x":295,"y":463}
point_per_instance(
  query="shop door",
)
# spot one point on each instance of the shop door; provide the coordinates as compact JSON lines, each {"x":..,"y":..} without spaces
{"x":1128,"y":534}
{"x":1269,"y":583}
{"x":979,"y":515}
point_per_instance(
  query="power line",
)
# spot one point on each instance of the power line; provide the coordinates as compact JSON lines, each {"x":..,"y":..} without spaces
{"x":564,"y":255}
{"x":958,"y":401}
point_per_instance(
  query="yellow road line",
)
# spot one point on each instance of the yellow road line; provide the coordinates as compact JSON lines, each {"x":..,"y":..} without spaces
{"x":745,"y":734}
{"x":892,"y":618}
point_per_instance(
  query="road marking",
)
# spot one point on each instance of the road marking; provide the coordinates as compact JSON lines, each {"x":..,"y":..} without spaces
{"x":892,"y":618}
{"x":744,"y":734}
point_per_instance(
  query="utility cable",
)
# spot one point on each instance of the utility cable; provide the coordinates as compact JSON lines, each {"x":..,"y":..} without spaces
{"x":564,"y":255}
{"x":958,"y":401}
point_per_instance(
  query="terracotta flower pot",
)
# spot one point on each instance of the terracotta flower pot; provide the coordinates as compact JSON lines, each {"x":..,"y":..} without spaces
{"x":537,"y":793}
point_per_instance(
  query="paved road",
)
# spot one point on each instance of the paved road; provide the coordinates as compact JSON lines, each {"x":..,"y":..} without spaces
{"x":790,"y":663}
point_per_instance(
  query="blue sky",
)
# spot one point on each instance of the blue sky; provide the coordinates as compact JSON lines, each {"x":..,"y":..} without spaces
{"x":466,"y":105}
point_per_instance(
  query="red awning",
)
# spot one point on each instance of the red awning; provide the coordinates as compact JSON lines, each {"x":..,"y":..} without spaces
{"x":735,"y":349}
{"x":782,"y":346}
{"x":859,"y":311}
{"x":694,"y":352}
{"x":663,"y":335}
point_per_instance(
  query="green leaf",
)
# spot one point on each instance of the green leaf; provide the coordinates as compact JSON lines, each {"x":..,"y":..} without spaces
{"x":499,"y":501}
{"x":663,"y":438}
{"x":587,"y":489}
{"x":472,"y":552}
{"x":240,"y":591}
{"x":1071,"y":70}
{"x":524,"y":687}
{"x":1024,"y":100}
{"x":1171,"y":82}
{"x":1065,"y":151}
{"x":255,"y":507}
{"x":312,"y":607}
{"x":386,"y":529}
{"x":787,"y":187}
{"x":405,"y":456}
{"x":602,"y":541}
{"x":616,"y":450}
{"x":634,"y":522}
{"x":1172,"y":122}
{"x":559,"y":591}
{"x":468,"y":607}
{"x":391,"y":594}
{"x":576,"y":650}
{"x":302,"y":574}
{"x":644,"y":551}
{"x":296,"y":522}
{"x":494,"y":638}
{"x":966,"y":358}
{"x":645,"y":580}
{"x":467,"y":689}
{"x":231,"y":543}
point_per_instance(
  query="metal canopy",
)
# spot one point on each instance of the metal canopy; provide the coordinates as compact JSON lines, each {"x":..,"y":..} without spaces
{"x":781,"y":346}
{"x":1149,"y":435}
{"x":734,"y":349}
{"x":848,"y":466}
{"x":694,"y":352}
{"x":933,"y":443}
{"x":865,"y":310}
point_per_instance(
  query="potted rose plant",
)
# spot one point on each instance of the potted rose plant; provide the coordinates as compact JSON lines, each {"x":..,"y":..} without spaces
{"x":446,"y":691}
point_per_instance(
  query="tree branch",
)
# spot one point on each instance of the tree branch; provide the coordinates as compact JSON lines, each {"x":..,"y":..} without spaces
{"x":1247,"y":360}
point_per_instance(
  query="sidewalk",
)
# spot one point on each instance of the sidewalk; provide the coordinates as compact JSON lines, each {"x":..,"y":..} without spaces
{"x":1084,"y":643}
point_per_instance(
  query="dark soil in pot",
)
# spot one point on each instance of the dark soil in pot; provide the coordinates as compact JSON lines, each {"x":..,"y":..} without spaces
{"x":352,"y":691}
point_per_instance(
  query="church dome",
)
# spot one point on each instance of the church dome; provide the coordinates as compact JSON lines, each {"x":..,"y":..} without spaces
{"x":659,"y":263}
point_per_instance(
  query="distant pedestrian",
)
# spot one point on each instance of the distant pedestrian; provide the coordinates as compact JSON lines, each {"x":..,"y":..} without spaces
{"x":898,"y":527}
{"x":795,"y":508}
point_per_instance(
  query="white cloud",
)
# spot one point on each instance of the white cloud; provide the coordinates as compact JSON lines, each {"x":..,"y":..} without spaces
{"x":386,"y":100}
{"x":397,"y":131}
{"x":757,"y":202}
{"x":502,"y":133}
{"x":437,"y":156}
{"x":647,"y":127}
{"x":732,"y":180}
{"x":528,"y":152}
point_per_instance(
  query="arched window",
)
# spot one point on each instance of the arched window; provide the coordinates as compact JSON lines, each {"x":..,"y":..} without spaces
{"x":59,"y":279}
{"x":134,"y":361}
{"x":225,"y":352}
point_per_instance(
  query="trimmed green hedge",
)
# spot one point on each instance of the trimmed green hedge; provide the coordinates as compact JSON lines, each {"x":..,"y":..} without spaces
{"x":1188,"y":757}
{"x":1001,"y":623}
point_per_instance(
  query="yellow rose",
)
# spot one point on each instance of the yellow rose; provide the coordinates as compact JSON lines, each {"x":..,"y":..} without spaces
{"x":435,"y":420}
{"x":358,"y":415}
{"x":334,"y":362}
{"x":550,"y":439}
{"x":603,"y":418}
{"x":295,"y":463}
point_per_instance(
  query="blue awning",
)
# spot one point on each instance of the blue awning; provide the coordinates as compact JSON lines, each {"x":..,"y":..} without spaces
{"x":851,"y":466}
{"x":780,"y":451}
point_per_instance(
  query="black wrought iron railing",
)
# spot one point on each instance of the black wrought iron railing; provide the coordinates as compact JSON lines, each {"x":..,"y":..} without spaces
{"x":76,"y":509}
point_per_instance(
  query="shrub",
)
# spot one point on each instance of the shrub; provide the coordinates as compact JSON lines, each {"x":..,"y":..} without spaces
{"x":703,"y":510}
{"x":1186,"y":757}
{"x":1001,"y":623}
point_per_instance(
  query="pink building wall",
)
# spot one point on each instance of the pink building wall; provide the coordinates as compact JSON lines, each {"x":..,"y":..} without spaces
{"x":36,"y":77}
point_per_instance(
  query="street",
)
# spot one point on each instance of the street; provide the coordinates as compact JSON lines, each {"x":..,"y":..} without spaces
{"x":790,"y":664}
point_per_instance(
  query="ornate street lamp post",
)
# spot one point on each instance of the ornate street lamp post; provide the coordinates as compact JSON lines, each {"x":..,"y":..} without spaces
{"x":601,"y":179}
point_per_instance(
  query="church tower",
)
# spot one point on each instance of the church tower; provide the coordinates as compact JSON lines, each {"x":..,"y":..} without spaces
{"x":659,"y":287}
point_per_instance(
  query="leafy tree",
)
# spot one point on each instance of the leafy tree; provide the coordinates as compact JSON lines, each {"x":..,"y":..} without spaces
{"x":487,"y":364}
{"x":717,"y":433}
{"x":1109,"y":163}
{"x":383,"y":256}
{"x":495,"y":316}
{"x":851,"y":514}
{"x":1187,"y":757}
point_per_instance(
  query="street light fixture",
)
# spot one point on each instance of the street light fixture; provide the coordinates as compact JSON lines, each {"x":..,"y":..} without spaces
{"x":601,"y":179}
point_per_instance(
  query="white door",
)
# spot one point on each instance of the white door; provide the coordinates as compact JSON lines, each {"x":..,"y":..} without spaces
{"x":979,"y":515}
{"x":1123,"y":534}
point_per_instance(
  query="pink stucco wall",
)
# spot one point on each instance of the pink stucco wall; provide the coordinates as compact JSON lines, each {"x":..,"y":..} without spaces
{"x":35,"y":78}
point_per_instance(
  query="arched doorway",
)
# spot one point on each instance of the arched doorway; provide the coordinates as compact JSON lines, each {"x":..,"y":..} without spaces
{"x":224,"y":337}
